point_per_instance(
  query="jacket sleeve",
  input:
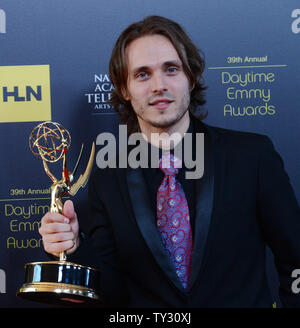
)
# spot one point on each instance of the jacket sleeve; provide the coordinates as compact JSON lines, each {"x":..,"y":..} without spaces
{"x":279,"y":215}
{"x":97,"y":249}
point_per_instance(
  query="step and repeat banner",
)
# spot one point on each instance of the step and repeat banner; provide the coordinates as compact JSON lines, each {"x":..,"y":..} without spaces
{"x":54,"y":59}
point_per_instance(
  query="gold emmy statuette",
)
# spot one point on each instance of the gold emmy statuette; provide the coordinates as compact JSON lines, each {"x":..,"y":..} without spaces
{"x":59,"y":282}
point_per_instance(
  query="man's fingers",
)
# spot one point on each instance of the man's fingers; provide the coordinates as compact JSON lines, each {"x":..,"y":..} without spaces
{"x":54,"y":217}
{"x":56,"y":248}
{"x":60,"y":231}
{"x":58,"y":237}
{"x":54,"y":227}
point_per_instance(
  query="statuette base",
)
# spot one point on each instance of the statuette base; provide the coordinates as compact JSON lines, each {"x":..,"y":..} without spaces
{"x":60,"y":283}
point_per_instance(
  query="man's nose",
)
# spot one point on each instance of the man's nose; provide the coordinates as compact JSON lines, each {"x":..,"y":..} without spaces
{"x":159,"y":83}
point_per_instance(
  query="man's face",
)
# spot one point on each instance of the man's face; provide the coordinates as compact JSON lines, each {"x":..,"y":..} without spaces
{"x":157,"y":86}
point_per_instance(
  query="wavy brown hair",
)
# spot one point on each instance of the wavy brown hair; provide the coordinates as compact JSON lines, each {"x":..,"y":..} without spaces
{"x":191,"y":57}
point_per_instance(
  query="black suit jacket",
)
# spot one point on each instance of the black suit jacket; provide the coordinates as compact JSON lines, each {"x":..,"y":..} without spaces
{"x":244,"y":201}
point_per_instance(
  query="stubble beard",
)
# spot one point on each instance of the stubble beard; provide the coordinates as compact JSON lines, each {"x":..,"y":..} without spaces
{"x":168,"y":122}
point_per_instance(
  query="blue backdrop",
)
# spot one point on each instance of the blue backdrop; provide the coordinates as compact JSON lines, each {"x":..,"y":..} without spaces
{"x":54,"y":65}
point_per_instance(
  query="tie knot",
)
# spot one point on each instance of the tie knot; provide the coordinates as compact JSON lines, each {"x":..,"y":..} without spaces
{"x":169,"y":164}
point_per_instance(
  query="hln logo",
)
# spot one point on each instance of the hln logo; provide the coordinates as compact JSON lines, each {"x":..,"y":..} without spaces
{"x":15,"y":96}
{"x":25,"y":93}
{"x":2,"y":21}
{"x":2,"y":282}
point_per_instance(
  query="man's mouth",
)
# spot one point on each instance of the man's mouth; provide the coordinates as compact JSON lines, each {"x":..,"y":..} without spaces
{"x":161,"y":103}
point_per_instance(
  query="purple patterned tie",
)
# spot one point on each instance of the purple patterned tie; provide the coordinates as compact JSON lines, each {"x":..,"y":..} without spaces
{"x":173,"y":218}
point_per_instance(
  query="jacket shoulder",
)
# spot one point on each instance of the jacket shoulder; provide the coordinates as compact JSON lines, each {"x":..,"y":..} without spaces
{"x":238,"y":138}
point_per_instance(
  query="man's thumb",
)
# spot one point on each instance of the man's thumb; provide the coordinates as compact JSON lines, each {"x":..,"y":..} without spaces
{"x":68,"y":210}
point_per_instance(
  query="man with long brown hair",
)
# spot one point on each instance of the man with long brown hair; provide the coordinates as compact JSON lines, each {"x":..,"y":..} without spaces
{"x":159,"y":239}
{"x":192,"y":64}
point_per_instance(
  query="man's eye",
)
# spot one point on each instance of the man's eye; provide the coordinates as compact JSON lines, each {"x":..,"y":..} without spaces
{"x":142,"y":75}
{"x":172,"y":70}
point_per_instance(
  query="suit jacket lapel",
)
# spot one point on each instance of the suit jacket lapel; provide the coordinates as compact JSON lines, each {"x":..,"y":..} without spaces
{"x":146,"y":220}
{"x":206,"y":189}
